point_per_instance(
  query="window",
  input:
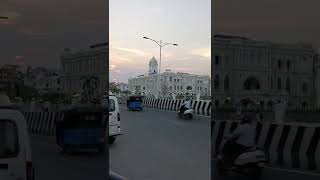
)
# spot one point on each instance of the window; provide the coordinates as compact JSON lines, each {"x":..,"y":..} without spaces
{"x":288,"y":85}
{"x":216,"y":60}
{"x":112,"y":106}
{"x":216,"y":82}
{"x":189,"y":88}
{"x":9,"y":139}
{"x":288,"y":65}
{"x":271,"y":83}
{"x":305,"y":87}
{"x":279,"y":64}
{"x":279,"y":83}
{"x":226,"y":83}
{"x":170,"y":79}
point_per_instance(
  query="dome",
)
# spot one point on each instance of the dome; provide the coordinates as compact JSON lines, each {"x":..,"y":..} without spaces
{"x":153,"y":61}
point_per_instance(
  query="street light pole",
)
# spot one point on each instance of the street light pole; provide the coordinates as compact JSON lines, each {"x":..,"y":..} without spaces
{"x":160,"y":44}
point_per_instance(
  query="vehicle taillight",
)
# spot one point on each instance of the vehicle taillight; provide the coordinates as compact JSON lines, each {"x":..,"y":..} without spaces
{"x":30,"y":170}
{"x":118,"y":117}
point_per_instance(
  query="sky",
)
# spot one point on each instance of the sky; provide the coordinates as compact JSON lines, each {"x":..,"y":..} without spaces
{"x":185,"y":22}
{"x":288,"y":21}
{"x":37,"y":31}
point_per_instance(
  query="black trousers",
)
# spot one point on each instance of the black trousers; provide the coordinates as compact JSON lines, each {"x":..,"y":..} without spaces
{"x":232,"y":150}
{"x":182,"y":109}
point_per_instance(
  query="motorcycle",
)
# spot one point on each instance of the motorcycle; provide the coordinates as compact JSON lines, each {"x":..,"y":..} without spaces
{"x":187,"y":114}
{"x":248,"y":163}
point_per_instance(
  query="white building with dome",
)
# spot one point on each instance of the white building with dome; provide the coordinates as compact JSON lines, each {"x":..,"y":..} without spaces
{"x":169,"y":83}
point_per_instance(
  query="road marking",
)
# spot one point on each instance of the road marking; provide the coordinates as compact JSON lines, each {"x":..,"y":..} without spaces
{"x":173,"y":122}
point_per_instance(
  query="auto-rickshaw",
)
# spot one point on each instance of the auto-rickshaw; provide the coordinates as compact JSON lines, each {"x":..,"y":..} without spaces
{"x":135,"y":102}
{"x":82,"y":128}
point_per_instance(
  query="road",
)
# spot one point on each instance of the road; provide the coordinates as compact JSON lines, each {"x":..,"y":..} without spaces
{"x":155,"y":146}
{"x":50,"y":164}
{"x":158,"y":146}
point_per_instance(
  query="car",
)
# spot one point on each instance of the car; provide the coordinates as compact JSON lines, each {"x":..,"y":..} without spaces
{"x":15,"y":148}
{"x":114,"y":119}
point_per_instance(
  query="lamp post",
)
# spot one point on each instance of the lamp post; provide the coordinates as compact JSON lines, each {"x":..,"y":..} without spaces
{"x":160,"y":44}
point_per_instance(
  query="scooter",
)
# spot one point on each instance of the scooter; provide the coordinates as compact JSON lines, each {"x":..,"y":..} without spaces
{"x":187,"y":114}
{"x":249,"y":163}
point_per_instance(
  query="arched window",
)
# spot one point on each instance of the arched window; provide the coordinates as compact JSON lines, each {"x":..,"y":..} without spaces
{"x":305,"y":87}
{"x":288,"y":85}
{"x":226,"y":83}
{"x":216,"y":82}
{"x":189,"y":88}
{"x":279,"y":83}
{"x":251,"y":84}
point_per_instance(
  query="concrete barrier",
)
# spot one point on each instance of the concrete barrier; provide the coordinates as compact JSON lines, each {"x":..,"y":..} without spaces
{"x":42,"y":123}
{"x":199,"y":107}
{"x":289,"y":145}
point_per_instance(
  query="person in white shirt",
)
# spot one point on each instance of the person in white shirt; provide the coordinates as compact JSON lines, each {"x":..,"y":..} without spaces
{"x":242,"y":138}
{"x":185,"y":106}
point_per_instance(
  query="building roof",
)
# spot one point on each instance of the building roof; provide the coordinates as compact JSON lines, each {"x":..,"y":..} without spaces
{"x":153,"y":60}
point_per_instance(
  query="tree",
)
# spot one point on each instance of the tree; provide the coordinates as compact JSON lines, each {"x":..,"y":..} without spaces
{"x":90,"y":86}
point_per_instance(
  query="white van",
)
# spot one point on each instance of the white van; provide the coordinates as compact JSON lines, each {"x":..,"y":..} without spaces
{"x":114,"y":119}
{"x":15,"y":148}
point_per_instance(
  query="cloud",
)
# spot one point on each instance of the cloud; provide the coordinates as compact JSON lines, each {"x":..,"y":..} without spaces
{"x":132,"y":51}
{"x":203,"y":52}
{"x":32,"y":33}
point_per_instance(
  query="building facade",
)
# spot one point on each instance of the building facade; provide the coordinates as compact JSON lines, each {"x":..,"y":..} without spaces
{"x":76,"y":66}
{"x":245,"y":70}
{"x":169,"y":84}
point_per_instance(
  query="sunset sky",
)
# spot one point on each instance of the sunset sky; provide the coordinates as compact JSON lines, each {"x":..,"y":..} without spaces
{"x":186,"y":22}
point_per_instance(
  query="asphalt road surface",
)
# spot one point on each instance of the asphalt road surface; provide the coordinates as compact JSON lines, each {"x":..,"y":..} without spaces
{"x":50,"y":164}
{"x":158,"y":146}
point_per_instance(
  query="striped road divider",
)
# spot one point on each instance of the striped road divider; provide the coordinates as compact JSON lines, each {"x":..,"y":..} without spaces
{"x":289,"y":145}
{"x":199,"y":107}
{"x":42,"y":123}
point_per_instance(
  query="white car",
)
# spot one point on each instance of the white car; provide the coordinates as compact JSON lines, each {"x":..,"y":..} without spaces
{"x":114,"y":118}
{"x":15,"y":148}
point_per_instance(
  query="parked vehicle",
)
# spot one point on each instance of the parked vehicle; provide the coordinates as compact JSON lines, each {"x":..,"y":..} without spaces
{"x":114,"y":176}
{"x":15,"y":149}
{"x":114,"y":119}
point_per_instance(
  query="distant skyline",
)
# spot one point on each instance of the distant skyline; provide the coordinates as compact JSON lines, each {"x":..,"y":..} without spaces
{"x":186,"y":22}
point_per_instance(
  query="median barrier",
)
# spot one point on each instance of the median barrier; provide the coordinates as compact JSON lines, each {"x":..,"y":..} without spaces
{"x":199,"y":107}
{"x":42,"y":123}
{"x":288,"y":145}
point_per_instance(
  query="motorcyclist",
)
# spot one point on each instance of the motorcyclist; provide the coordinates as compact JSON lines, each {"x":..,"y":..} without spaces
{"x":185,"y":106}
{"x":242,"y":138}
